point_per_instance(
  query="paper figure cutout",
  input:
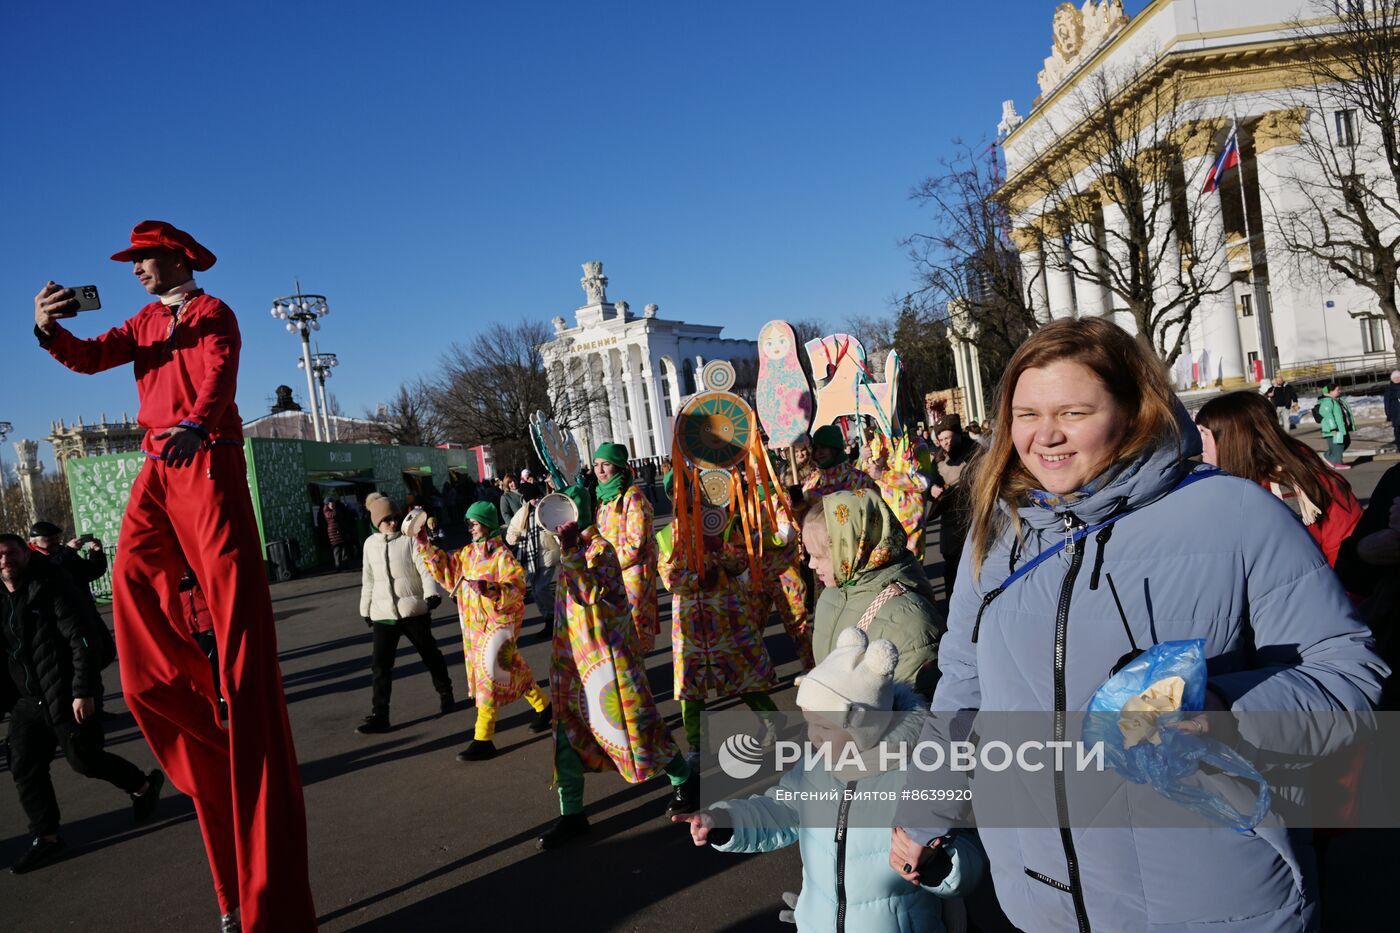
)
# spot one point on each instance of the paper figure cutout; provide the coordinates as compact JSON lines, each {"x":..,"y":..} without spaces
{"x":846,"y":385}
{"x":556,"y":449}
{"x":784,"y":396}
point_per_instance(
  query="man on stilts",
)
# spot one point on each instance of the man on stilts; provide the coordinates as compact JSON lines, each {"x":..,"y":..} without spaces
{"x":190,"y":503}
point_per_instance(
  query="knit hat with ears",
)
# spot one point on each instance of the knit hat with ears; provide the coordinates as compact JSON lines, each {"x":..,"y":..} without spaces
{"x":858,"y":674}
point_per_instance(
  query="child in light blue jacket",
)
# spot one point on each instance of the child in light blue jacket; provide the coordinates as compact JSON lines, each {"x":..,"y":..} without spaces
{"x":837,"y":807}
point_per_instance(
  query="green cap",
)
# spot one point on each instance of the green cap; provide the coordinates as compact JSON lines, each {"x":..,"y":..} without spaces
{"x":484,"y":513}
{"x":830,"y":437}
{"x":616,"y":454}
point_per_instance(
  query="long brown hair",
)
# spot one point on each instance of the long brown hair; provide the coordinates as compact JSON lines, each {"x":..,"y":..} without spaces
{"x":1249,"y":442}
{"x":1135,"y":378}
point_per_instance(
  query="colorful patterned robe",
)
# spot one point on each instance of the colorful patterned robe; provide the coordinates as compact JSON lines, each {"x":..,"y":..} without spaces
{"x":597,"y":673}
{"x":844,"y":477}
{"x":783,"y":589}
{"x":906,"y":492}
{"x":626,"y":523}
{"x":715,"y":647}
{"x":489,"y":585}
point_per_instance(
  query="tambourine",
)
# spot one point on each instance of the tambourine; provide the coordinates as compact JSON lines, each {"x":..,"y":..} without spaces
{"x":555,"y":511}
{"x":413,"y":522}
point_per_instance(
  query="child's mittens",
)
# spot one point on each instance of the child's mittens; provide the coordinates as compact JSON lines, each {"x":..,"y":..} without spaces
{"x":789,"y":915}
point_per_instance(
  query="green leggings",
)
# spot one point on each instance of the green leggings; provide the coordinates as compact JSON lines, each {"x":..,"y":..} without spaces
{"x":758,"y":701}
{"x":568,"y":773}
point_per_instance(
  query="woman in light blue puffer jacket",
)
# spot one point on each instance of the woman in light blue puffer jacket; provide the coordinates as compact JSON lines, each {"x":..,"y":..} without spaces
{"x":836,"y":814}
{"x":1088,"y":429}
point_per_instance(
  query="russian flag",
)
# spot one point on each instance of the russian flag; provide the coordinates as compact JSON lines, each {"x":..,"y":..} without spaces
{"x":1229,"y":158}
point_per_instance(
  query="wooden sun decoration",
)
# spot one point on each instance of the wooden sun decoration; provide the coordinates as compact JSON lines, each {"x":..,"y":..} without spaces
{"x":723,"y":478}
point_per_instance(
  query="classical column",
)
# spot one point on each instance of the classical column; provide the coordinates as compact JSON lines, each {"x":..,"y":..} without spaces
{"x":1033,"y":272}
{"x":1289,"y":324}
{"x":591,"y":434}
{"x":617,"y":422}
{"x":1059,"y":281}
{"x":1220,"y":326}
{"x":972,"y":368}
{"x":1116,"y":236}
{"x":636,"y":420}
{"x":661,"y":426}
{"x":1084,"y":246}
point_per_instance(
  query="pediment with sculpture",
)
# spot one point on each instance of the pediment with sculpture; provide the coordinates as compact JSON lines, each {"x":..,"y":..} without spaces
{"x":1078,"y":32}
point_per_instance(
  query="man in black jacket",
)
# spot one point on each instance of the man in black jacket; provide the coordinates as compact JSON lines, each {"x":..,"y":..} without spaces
{"x":1392,"y":404}
{"x":53,"y":664}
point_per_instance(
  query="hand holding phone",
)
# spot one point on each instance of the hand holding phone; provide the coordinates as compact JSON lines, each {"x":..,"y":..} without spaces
{"x":54,"y":302}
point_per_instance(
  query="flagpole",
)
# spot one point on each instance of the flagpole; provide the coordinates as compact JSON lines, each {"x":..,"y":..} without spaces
{"x":1266,"y":354}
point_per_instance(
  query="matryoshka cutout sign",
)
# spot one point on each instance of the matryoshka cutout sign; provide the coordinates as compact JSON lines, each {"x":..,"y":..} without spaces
{"x":784,"y":398}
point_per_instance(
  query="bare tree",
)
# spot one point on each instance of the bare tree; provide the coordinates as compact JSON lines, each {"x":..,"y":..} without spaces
{"x":966,"y":259}
{"x":1342,"y":212}
{"x":489,"y":388}
{"x":411,"y":418}
{"x":1110,"y":193}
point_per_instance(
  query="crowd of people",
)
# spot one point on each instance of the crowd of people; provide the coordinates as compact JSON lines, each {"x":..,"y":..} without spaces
{"x":1093,"y":462}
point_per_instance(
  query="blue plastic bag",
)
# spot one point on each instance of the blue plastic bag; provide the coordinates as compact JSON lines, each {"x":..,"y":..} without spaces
{"x":1169,"y":766}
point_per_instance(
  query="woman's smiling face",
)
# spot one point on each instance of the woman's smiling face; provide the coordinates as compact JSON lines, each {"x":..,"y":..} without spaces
{"x":1065,"y":425}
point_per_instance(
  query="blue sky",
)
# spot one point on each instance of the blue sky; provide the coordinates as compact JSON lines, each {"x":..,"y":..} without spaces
{"x":434,"y":166}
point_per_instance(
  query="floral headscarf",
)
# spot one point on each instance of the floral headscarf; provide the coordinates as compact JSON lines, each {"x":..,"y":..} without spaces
{"x":865,"y":535}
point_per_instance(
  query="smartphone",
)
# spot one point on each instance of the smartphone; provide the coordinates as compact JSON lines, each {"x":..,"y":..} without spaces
{"x":87,"y":297}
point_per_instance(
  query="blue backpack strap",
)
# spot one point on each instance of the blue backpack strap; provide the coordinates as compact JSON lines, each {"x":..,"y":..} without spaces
{"x":1194,"y":476}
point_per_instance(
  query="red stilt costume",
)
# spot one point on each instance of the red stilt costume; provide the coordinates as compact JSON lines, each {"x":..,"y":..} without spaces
{"x":243,"y":778}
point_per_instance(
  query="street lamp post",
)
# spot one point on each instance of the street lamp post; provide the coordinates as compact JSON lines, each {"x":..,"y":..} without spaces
{"x":5,"y":429}
{"x":321,"y":365}
{"x":303,"y":313}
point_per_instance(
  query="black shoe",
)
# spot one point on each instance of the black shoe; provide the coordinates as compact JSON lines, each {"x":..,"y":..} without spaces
{"x":543,"y":719}
{"x":143,"y":805}
{"x":685,"y":798}
{"x":373,"y":725}
{"x":565,"y":830}
{"x":228,"y":923}
{"x":41,"y":852}
{"x":446,"y":703}
{"x":478,"y":750}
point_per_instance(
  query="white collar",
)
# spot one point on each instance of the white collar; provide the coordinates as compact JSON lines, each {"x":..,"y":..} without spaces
{"x":177,"y":294}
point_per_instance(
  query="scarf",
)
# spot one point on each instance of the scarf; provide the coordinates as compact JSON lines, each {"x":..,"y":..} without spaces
{"x":865,"y":535}
{"x":613,"y":488}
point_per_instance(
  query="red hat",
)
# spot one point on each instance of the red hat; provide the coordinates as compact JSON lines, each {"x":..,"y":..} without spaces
{"x":157,"y":234}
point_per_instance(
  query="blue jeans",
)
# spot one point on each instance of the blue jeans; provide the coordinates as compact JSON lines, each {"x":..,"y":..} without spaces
{"x":1335,"y":449}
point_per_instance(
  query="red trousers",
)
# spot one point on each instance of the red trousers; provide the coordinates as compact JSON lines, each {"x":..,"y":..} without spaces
{"x":243,"y":778}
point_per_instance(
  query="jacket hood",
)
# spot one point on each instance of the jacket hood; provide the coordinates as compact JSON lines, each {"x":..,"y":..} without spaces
{"x":1146,"y":479}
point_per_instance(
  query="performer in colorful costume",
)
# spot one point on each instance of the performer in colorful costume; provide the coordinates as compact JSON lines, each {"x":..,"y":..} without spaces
{"x":190,"y":502}
{"x":625,"y":519}
{"x":605,"y":717}
{"x":489,"y":584}
{"x":782,"y":589}
{"x":834,"y":473}
{"x":902,"y":487}
{"x":716,"y":647}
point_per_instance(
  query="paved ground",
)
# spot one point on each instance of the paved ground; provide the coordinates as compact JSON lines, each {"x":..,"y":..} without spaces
{"x":403,"y":837}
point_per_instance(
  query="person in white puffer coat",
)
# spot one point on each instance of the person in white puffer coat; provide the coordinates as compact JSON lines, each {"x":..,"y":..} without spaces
{"x":397,"y":597}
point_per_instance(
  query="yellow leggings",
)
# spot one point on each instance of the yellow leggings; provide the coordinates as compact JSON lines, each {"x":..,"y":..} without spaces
{"x":486,"y":712}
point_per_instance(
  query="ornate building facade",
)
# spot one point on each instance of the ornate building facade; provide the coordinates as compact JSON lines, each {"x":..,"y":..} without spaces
{"x":1185,"y":78}
{"x":622,"y":377}
{"x":92,"y":440}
